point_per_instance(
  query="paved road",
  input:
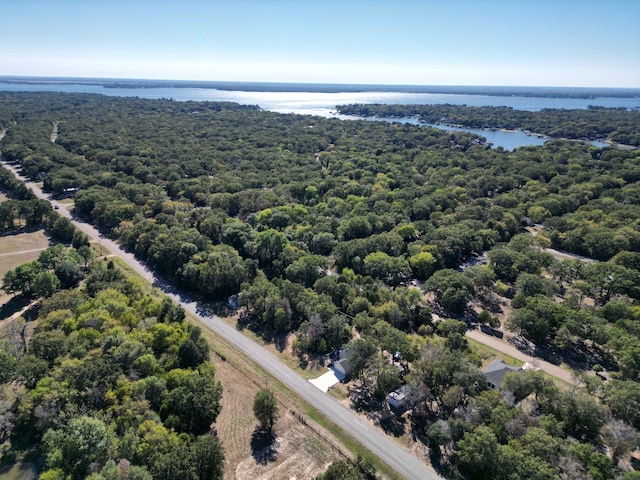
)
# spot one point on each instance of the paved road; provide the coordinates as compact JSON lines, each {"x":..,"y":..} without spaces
{"x":387,"y":449}
{"x":509,"y":349}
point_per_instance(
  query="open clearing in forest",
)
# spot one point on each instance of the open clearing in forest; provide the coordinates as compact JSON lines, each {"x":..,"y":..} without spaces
{"x":16,"y":249}
{"x":300,"y":453}
{"x":20,"y":471}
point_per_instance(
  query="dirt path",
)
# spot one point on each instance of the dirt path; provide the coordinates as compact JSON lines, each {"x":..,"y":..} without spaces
{"x":561,"y":255}
{"x":23,"y":252}
{"x":54,"y":132}
{"x":7,"y":321}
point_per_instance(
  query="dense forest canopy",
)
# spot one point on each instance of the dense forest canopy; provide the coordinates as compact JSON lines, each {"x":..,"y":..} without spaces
{"x":327,"y":228}
{"x":113,"y":383}
{"x":618,"y":125}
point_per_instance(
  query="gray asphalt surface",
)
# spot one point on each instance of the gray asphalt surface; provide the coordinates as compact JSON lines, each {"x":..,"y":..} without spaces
{"x":384,"y":447}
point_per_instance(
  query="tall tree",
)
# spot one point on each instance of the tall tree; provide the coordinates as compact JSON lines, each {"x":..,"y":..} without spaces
{"x":265,"y":408}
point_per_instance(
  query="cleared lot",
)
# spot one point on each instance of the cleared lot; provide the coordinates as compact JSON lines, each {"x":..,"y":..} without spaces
{"x":299,"y":452}
{"x":18,"y":249}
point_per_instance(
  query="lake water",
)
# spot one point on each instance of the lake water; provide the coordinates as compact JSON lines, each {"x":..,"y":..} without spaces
{"x":323,"y":103}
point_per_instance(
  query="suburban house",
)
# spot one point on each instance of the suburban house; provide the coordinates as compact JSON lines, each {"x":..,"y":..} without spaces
{"x":496,"y":371}
{"x":342,"y":364}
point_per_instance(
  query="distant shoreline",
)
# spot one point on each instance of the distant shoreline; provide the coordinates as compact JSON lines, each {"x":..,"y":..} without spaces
{"x":505,"y":91}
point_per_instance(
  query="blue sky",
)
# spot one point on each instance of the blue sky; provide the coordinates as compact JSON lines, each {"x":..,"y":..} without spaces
{"x":455,"y":42}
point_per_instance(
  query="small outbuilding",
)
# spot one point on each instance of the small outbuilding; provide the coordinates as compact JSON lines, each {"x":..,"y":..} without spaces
{"x":399,"y":399}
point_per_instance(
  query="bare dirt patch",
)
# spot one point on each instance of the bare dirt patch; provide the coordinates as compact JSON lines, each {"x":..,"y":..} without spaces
{"x":19,"y":471}
{"x":298,"y":452}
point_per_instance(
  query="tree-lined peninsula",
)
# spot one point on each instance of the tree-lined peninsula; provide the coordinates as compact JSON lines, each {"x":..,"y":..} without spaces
{"x":615,"y":125}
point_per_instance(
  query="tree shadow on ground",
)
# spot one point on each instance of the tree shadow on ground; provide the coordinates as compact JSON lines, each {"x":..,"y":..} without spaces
{"x":392,"y":424}
{"x":246,"y":321}
{"x":13,"y":306}
{"x":442,"y":465}
{"x":264,"y":446}
{"x":362,"y":401}
{"x":439,"y":456}
{"x":20,"y":231}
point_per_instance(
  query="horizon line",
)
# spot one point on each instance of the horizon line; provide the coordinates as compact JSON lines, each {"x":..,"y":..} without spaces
{"x":55,"y":78}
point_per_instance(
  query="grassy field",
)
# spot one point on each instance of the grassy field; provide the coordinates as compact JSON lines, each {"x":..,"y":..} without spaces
{"x":18,"y":249}
{"x":488,"y":354}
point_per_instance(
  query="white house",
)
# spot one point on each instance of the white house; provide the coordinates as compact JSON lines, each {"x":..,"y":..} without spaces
{"x":399,"y":399}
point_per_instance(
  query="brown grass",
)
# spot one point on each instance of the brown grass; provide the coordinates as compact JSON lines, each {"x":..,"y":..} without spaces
{"x":18,"y":249}
{"x":20,"y":471}
{"x":300,"y":453}
{"x":23,"y":241}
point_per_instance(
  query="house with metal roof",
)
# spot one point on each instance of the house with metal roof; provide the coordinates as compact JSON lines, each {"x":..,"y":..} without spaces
{"x":496,"y":371}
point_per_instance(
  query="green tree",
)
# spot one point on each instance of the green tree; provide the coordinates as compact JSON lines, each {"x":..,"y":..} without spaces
{"x":307,"y":269}
{"x":623,"y":398}
{"x":477,"y":452}
{"x":422,"y":265}
{"x":529,"y":285}
{"x":270,"y":244}
{"x":69,"y":273}
{"x":7,"y":364}
{"x":84,"y":441}
{"x":452,"y":289}
{"x":30,"y":369}
{"x":221,"y":274}
{"x":45,"y":284}
{"x":207,"y":457}
{"x":22,"y":278}
{"x":392,"y":270}
{"x":192,"y":401}
{"x":265,"y":408}
{"x":364,"y":349}
{"x":502,"y":261}
{"x":531,"y":325}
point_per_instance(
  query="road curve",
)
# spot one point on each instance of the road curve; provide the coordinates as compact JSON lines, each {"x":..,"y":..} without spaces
{"x":387,"y":449}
